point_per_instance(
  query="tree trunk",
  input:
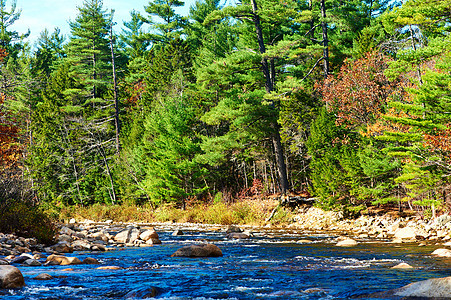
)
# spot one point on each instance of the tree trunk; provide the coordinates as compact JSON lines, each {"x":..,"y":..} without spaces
{"x":278,"y":150}
{"x":325,"y":40}
{"x":116,"y":100}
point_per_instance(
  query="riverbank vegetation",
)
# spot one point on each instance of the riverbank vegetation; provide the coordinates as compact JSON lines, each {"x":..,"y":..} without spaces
{"x":344,"y":101}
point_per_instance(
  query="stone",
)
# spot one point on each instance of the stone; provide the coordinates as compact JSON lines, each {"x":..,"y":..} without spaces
{"x":90,"y":261}
{"x":3,"y":262}
{"x":72,"y":221}
{"x":43,"y":276}
{"x":11,"y":278}
{"x":142,"y":293}
{"x":127,"y":236}
{"x":402,"y":266}
{"x":437,"y":288}
{"x":442,"y":252}
{"x":62,"y":260}
{"x":98,"y":247}
{"x":81,"y":245}
{"x":406,"y":233}
{"x":149,"y":234}
{"x":153,"y":242}
{"x":64,"y":238}
{"x":348,"y":242}
{"x":109,"y":268}
{"x":205,"y":250}
{"x":21,"y":259}
{"x":62,"y":247}
{"x":32,"y":263}
{"x":233,"y":228}
{"x":178,"y":232}
{"x":238,"y":235}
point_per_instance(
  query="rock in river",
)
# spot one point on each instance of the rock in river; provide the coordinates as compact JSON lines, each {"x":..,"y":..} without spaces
{"x":438,"y":288}
{"x":206,"y":250}
{"x":11,"y":278}
{"x":62,"y":260}
{"x":348,"y":242}
{"x":142,"y":293}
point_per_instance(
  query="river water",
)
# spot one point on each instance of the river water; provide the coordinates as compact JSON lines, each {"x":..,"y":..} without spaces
{"x":274,"y":264}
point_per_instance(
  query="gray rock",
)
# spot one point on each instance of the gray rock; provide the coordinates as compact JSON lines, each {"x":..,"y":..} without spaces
{"x":64,"y":238}
{"x":62,"y":247}
{"x":43,"y":276}
{"x":149,"y":234}
{"x":32,"y":263}
{"x":238,"y":235}
{"x":233,"y":228}
{"x":177,"y":232}
{"x":11,"y":278}
{"x":127,"y":236}
{"x":81,"y":245}
{"x":205,"y":250}
{"x":439,"y":288}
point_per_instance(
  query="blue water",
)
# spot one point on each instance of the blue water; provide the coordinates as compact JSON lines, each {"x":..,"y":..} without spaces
{"x":271,"y":265}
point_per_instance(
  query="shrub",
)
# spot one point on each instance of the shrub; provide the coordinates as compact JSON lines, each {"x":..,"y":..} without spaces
{"x":21,"y":215}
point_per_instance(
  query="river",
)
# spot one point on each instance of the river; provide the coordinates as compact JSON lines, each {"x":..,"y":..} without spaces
{"x":274,"y":264}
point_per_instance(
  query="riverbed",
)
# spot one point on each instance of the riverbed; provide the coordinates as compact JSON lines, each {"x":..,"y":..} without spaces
{"x":273,"y":264}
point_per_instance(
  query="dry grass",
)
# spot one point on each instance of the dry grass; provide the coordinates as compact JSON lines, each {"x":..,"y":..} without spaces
{"x":248,"y":211}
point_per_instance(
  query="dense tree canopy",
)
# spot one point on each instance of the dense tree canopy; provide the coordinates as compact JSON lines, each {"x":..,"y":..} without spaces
{"x":346,"y":100}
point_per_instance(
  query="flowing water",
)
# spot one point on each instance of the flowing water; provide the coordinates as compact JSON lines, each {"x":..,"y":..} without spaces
{"x":273,"y":264}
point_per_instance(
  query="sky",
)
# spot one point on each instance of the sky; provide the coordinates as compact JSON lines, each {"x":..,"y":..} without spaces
{"x":40,"y":14}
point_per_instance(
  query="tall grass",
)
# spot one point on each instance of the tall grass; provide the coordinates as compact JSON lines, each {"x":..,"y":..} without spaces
{"x":251,"y":212}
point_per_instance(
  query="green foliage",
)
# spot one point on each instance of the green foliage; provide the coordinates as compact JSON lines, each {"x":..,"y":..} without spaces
{"x":336,"y":174}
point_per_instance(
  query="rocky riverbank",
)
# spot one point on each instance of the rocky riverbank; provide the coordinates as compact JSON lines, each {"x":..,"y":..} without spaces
{"x":90,"y":236}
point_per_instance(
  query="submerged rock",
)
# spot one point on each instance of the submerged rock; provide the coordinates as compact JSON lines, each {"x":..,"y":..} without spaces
{"x":238,"y":235}
{"x":90,"y":261}
{"x":206,"y":250}
{"x":109,"y":268}
{"x":142,"y":293}
{"x":402,"y":266}
{"x":11,"y":278}
{"x":43,"y":276}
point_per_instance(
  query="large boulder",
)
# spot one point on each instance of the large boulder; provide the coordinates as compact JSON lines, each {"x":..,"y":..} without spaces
{"x":149,"y":234}
{"x":11,"y":278}
{"x":442,"y":252}
{"x":127,"y":236}
{"x":62,"y":260}
{"x":205,"y":250}
{"x":405,"y":234}
{"x":439,"y":288}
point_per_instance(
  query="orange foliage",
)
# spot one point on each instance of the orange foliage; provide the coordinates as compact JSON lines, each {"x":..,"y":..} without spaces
{"x":440,"y":140}
{"x":10,"y":149}
{"x":359,"y":92}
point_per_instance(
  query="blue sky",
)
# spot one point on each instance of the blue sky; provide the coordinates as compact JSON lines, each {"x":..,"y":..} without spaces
{"x":38,"y":15}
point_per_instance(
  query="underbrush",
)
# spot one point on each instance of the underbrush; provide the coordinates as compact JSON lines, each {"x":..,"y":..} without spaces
{"x":21,"y":215}
{"x":248,"y":211}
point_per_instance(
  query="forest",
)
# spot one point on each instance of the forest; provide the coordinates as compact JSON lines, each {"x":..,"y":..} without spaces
{"x":348,"y":102}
